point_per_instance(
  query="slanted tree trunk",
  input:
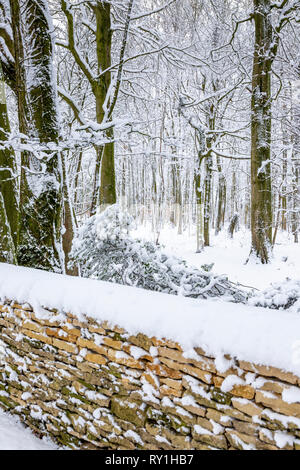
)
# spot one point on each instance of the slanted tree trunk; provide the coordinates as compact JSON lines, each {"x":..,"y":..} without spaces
{"x":233,"y":225}
{"x":40,"y":204}
{"x":207,"y":198}
{"x":277,"y":220}
{"x":261,"y":118}
{"x":76,"y":179}
{"x":69,"y":221}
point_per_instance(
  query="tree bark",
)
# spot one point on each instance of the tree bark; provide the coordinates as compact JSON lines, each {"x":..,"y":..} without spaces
{"x":40,"y":202}
{"x":7,"y":248}
{"x":207,"y":198}
{"x":104,"y":191}
{"x":199,"y":207}
{"x":8,"y":177}
{"x":221,"y":198}
{"x":69,"y":222}
{"x":261,"y":190}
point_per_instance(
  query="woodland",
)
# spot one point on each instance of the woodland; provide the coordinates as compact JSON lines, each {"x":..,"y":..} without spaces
{"x":178,"y":113}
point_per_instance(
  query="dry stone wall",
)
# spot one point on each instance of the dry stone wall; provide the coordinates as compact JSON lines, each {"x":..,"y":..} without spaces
{"x":90,"y":385}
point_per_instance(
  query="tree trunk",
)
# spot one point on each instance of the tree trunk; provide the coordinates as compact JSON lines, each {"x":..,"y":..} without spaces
{"x":296,"y":199}
{"x":207,"y":199}
{"x":178,"y":200}
{"x":296,"y":166}
{"x":104,"y":192}
{"x":8,"y":181}
{"x":221,"y":198}
{"x":285,"y":142}
{"x":40,"y":204}
{"x":69,"y":222}
{"x":7,"y":248}
{"x":261,"y":191}
{"x":199,"y":210}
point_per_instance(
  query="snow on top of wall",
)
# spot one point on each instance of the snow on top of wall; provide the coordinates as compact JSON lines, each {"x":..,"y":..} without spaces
{"x":255,"y":334}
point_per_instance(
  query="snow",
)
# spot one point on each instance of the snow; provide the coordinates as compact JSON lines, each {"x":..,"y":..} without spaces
{"x":229,"y":255}
{"x":14,"y":436}
{"x":256,"y":334}
{"x":251,"y":333}
{"x":282,"y":439}
{"x":280,"y":295}
{"x":291,"y":395}
{"x":189,"y":400}
{"x":223,"y":364}
{"x":229,"y":383}
{"x":242,"y":444}
{"x":137,"y":352}
{"x":217,"y":428}
{"x":162,"y":439}
{"x":167,"y":402}
{"x":133,"y":435}
{"x":285,"y":420}
{"x":200,"y":430}
{"x":105,"y":250}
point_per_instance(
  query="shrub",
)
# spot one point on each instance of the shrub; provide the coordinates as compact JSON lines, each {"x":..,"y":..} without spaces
{"x":281,"y":296}
{"x":104,"y":250}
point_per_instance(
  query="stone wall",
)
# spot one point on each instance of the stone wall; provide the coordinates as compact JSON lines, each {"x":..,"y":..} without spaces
{"x":90,"y":385}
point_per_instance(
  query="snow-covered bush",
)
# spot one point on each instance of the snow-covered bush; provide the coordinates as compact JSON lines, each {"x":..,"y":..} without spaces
{"x":104,"y":250}
{"x":280,"y":295}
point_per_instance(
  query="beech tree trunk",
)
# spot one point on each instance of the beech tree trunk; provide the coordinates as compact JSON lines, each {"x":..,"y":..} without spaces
{"x":199,"y":207}
{"x":104,"y":191}
{"x":208,"y":176}
{"x":40,"y":203}
{"x":221,"y":198}
{"x":7,"y":248}
{"x":207,"y":198}
{"x":8,"y":177}
{"x":261,"y":190}
{"x":8,"y":189}
{"x":69,"y":221}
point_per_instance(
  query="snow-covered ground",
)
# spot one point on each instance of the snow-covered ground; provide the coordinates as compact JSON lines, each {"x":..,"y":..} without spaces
{"x":14,"y":436}
{"x":123,"y":305}
{"x":229,"y":256}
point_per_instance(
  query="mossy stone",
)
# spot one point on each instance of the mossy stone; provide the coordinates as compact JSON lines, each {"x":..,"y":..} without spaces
{"x":220,"y":397}
{"x":128,"y":410}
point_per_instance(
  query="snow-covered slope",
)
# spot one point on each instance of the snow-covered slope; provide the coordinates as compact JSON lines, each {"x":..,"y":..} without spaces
{"x":254,"y":334}
{"x":14,"y":436}
{"x":229,"y":255}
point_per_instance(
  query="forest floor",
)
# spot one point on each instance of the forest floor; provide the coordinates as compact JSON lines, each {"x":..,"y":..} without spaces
{"x":14,"y":436}
{"x":229,"y":255}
